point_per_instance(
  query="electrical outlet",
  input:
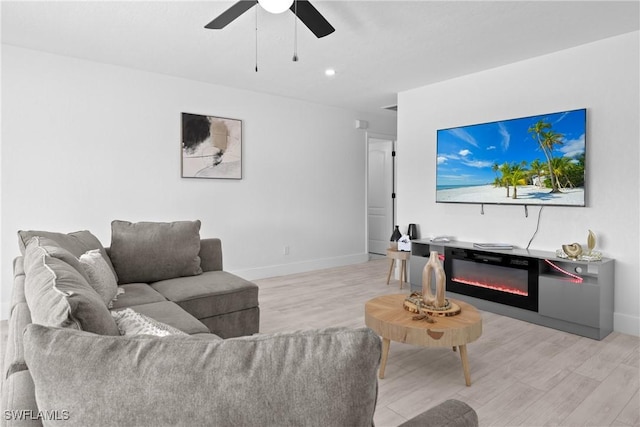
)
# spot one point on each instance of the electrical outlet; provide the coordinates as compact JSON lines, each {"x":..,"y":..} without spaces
{"x":285,"y":250}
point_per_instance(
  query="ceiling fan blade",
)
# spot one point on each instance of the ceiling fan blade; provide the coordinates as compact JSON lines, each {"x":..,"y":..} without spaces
{"x":230,"y":14}
{"x":310,"y":16}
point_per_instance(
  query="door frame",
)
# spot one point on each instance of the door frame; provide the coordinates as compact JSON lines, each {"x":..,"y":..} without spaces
{"x":394,"y":143}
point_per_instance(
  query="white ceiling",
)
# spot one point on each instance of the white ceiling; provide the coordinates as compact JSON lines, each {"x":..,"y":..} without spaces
{"x":379,"y":48}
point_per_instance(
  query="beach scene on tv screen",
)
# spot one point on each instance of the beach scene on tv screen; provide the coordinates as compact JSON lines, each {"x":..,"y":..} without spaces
{"x":537,"y":160}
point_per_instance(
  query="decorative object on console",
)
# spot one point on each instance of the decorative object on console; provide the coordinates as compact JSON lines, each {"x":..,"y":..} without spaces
{"x":594,"y":256}
{"x":211,"y":147}
{"x":576,"y":252}
{"x":573,"y":251}
{"x":591,"y":241}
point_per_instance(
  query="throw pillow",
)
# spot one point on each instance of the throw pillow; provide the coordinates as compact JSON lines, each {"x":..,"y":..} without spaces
{"x":59,"y":296}
{"x":101,"y":277}
{"x":313,"y":378}
{"x":133,"y":323}
{"x":153,"y":251}
{"x":53,"y":249}
{"x":77,"y":242}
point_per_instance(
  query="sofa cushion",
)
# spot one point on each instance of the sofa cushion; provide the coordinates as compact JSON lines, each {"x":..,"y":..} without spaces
{"x":211,"y":254}
{"x":136,"y":294}
{"x":77,"y":242}
{"x":19,"y":401}
{"x":210,"y":294}
{"x":59,"y":296}
{"x":14,"y":350}
{"x":171,"y":314}
{"x":100,"y":276}
{"x":152,"y":251}
{"x":53,"y":249}
{"x":17,"y":292}
{"x":133,"y":323}
{"x":235,"y":324}
{"x":313,"y":378}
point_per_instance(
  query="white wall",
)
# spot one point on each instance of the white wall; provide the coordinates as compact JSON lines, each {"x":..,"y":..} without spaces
{"x":84,"y":143}
{"x":601,"y":76}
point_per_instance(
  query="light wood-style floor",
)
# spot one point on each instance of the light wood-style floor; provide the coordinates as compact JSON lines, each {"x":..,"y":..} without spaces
{"x":522,"y":374}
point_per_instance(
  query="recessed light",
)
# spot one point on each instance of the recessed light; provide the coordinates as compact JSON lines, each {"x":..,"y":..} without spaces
{"x":329,"y":72}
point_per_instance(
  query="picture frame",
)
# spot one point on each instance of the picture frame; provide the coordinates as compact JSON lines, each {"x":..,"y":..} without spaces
{"x":211,"y":147}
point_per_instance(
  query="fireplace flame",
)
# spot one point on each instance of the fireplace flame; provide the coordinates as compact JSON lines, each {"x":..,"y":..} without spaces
{"x":501,"y":288}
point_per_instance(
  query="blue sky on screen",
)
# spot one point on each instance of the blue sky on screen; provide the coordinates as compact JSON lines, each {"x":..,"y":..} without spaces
{"x":466,"y":154}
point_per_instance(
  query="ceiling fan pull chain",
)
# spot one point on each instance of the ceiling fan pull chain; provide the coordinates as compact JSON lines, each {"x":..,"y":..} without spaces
{"x":295,"y":30}
{"x":256,"y":39}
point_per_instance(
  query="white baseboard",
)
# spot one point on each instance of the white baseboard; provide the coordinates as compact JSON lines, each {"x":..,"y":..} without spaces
{"x":300,"y":267}
{"x":626,"y":324}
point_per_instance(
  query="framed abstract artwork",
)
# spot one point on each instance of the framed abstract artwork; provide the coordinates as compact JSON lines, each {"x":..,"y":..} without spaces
{"x":211,"y":147}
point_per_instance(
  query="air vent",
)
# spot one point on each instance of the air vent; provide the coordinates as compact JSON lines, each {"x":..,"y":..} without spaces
{"x":391,"y":107}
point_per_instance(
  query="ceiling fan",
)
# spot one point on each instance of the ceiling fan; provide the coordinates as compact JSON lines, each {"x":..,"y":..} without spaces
{"x":304,"y":10}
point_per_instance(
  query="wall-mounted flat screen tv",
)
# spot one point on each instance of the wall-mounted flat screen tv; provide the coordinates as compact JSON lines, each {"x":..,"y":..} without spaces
{"x":537,"y":160}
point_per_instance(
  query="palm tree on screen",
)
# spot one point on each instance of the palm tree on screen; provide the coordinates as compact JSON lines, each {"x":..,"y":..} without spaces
{"x":517,"y":173}
{"x":562,"y":167}
{"x":505,"y":170}
{"x":547,"y":139}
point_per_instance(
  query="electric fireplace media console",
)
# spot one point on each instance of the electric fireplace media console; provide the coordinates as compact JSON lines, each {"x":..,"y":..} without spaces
{"x":535,"y":286}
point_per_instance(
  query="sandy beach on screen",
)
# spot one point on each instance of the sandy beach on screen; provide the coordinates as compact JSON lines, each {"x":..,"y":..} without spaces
{"x":527,"y":194}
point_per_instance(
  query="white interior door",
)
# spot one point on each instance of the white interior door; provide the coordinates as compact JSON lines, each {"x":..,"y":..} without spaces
{"x":380,"y":189}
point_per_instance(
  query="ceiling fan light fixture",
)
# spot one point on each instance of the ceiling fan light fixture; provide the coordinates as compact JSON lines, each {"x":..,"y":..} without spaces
{"x":275,"y":6}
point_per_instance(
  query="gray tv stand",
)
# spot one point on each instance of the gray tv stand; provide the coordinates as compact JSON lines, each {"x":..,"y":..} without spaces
{"x":584,"y":308}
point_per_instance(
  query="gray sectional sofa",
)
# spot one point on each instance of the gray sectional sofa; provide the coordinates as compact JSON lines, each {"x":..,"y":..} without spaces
{"x":67,"y":363}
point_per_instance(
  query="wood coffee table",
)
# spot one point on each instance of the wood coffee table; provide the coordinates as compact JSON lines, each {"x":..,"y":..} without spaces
{"x":387,"y":317}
